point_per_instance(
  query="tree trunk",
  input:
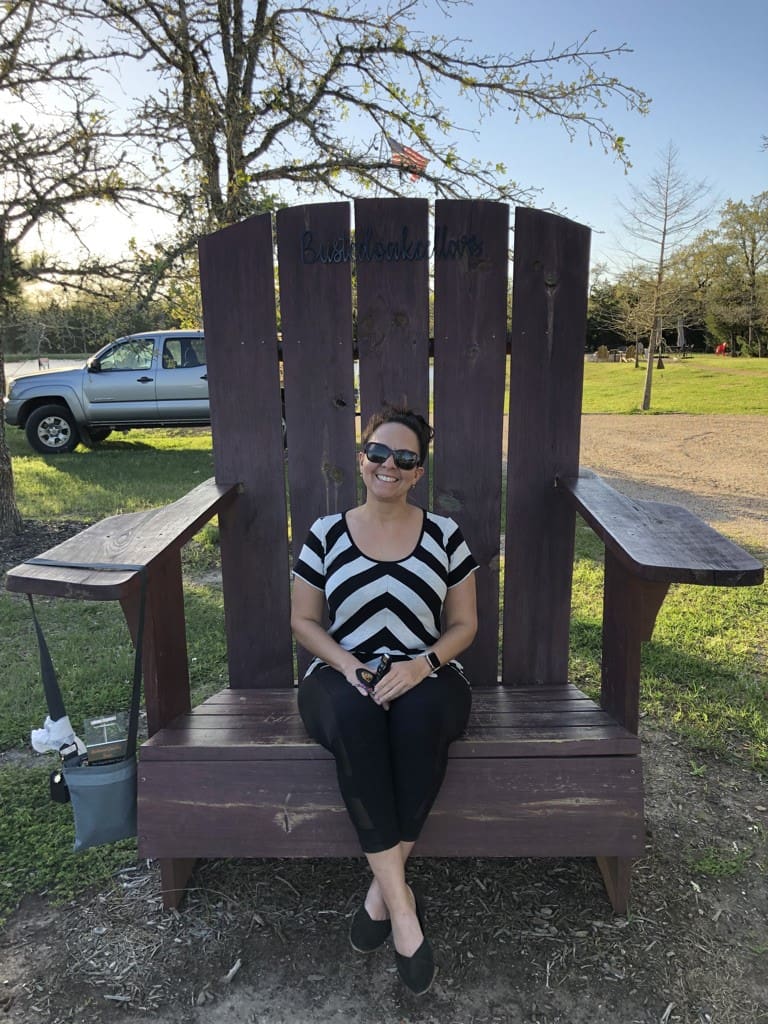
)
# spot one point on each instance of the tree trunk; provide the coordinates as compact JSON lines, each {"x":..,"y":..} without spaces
{"x":652,"y":342}
{"x":10,"y":519}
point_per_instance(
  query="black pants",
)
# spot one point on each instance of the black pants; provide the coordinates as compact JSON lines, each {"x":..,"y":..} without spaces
{"x":390,"y":764}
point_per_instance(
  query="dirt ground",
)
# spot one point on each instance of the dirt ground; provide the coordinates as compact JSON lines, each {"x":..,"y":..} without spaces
{"x":717,"y":466}
{"x":517,"y":941}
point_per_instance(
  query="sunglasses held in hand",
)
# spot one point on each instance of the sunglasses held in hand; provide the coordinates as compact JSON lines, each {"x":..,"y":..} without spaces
{"x":370,"y":679}
{"x":378,"y":453}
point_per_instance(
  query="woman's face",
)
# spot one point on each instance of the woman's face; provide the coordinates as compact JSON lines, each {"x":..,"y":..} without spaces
{"x":386,"y":481}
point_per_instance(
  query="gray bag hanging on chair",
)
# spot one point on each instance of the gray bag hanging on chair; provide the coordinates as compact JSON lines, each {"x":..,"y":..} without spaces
{"x":103,"y":801}
{"x":103,"y":796}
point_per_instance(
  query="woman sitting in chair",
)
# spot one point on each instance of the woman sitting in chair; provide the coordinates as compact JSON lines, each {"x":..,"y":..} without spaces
{"x":384,"y":693}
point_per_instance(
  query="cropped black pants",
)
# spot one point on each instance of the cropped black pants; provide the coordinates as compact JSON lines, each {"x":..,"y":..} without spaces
{"x":390,"y":764}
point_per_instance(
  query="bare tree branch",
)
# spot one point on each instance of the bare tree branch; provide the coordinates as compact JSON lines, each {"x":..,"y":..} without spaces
{"x":256,"y":94}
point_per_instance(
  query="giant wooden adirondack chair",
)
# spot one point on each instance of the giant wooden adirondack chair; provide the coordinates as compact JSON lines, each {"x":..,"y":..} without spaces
{"x":542,"y":770}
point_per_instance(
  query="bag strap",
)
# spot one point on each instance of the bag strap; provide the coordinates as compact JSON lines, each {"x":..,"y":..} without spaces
{"x":53,"y":696}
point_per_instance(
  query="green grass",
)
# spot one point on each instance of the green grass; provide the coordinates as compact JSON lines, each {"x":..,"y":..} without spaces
{"x":89,"y":642}
{"x":704,"y":672}
{"x":715,"y":863}
{"x":701,"y":384}
{"x":36,"y":837}
{"x":125,"y":473}
{"x":93,"y":657}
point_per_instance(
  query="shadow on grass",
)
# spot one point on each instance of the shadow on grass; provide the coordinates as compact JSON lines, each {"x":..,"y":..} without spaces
{"x":113,"y":444}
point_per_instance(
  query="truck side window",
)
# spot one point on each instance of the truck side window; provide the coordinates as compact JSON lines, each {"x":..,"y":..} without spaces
{"x":131,"y":355}
{"x":171,"y":354}
{"x":192,"y":352}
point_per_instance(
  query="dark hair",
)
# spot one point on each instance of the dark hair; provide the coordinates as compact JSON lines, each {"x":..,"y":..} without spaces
{"x":399,"y":414}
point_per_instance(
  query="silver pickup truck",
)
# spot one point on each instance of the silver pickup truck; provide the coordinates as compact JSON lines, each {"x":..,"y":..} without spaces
{"x":154,"y":379}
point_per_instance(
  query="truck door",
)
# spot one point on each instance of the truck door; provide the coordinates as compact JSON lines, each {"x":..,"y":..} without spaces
{"x":123,"y":389}
{"x":182,"y":381}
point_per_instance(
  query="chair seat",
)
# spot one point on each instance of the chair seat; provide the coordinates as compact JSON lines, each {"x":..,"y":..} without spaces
{"x":540,"y":771}
{"x":256,"y":724}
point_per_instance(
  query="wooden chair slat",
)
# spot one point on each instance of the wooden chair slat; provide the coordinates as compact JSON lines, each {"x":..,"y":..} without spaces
{"x":189,"y":740}
{"x":238,"y":289}
{"x":486,"y":698}
{"x":469,"y":368}
{"x":316,"y":320}
{"x":220,"y":713}
{"x":260,"y":728}
{"x":393,"y":308}
{"x":549,"y":296}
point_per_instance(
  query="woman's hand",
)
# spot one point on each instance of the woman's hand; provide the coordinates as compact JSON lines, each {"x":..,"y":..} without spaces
{"x":350,"y":674}
{"x":402,"y":677}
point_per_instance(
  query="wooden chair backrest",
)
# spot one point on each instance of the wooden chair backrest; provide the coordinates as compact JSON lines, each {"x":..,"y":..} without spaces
{"x":368,"y":294}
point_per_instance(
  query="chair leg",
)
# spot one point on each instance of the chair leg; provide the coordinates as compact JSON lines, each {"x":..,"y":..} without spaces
{"x":617,"y":875}
{"x":174,"y":875}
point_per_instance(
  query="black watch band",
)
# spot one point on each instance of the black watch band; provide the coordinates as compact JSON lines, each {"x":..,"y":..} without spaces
{"x":434,"y":661}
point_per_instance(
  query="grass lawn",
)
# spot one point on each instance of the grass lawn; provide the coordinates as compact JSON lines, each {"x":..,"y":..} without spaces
{"x":699,"y":384}
{"x":704,"y":672}
{"x":127,"y":472}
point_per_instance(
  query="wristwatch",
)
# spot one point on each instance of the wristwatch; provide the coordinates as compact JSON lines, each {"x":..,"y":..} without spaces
{"x":434,"y":661}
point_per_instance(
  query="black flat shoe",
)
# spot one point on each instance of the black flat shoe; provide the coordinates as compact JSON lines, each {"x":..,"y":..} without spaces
{"x":417,"y":972}
{"x":365,"y":934}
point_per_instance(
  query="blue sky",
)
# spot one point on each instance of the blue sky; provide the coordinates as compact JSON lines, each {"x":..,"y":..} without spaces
{"x":702,"y":62}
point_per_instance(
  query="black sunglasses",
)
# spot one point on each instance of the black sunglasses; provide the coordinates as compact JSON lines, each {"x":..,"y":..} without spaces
{"x":378,"y":453}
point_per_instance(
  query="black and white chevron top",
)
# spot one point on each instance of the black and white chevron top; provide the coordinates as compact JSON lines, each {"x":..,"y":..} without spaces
{"x":384,"y":607}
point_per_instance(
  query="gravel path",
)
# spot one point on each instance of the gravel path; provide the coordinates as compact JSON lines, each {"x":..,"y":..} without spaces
{"x":716,"y":466}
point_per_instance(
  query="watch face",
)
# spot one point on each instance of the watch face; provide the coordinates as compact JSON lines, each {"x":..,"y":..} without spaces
{"x":433,"y":659}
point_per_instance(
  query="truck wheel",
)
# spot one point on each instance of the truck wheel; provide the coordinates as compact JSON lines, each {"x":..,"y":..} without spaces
{"x":51,"y":429}
{"x":91,"y":436}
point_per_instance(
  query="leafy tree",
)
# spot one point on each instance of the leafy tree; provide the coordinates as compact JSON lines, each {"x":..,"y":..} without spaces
{"x":661,"y":215}
{"x":603,"y":315}
{"x":74,"y":322}
{"x":57,"y":150}
{"x":740,"y":302}
{"x":256,"y":97}
{"x":693,"y":272}
{"x":724,"y":274}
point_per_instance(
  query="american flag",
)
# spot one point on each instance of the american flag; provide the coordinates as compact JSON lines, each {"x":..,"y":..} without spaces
{"x":407,"y":158}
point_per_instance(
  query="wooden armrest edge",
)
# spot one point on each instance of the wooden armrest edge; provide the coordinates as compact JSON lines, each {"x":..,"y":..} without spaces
{"x":660,"y":542}
{"x":140,"y":538}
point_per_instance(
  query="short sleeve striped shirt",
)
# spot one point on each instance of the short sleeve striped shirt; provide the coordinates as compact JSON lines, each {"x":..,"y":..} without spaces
{"x":384,"y":607}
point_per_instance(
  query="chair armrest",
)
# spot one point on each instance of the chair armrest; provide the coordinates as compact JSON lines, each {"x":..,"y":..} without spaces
{"x":660,"y":542}
{"x":137,"y":538}
{"x":648,"y":546}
